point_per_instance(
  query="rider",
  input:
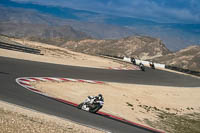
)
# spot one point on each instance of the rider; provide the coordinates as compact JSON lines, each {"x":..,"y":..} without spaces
{"x":152,"y":65}
{"x":133,"y":61}
{"x":100,"y":97}
{"x":91,"y":99}
{"x":141,"y":65}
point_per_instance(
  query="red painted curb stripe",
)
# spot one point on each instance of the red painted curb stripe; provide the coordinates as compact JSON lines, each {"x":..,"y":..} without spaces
{"x":24,"y":83}
{"x":81,"y":80}
{"x":111,"y":116}
{"x":34,"y":89}
{"x":35,"y":79}
{"x":64,"y":79}
{"x":25,"y":80}
{"x":65,"y":101}
{"x":133,"y":123}
{"x":143,"y":126}
{"x":50,"y":79}
{"x":99,"y":82}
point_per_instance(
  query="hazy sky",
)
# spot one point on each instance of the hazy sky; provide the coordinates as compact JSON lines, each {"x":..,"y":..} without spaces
{"x":183,"y":11}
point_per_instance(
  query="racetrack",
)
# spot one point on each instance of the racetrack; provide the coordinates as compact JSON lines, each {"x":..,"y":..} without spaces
{"x":14,"y":68}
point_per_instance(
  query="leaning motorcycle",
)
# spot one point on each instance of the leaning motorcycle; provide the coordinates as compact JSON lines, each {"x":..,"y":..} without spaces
{"x":93,"y":108}
{"x":142,"y":67}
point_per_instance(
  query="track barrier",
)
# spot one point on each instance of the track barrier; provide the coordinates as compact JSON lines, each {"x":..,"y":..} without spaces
{"x":19,"y":48}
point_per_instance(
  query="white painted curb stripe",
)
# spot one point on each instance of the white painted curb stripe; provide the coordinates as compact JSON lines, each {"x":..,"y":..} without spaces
{"x":25,"y":81}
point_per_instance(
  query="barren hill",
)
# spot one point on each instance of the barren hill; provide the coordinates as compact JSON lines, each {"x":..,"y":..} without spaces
{"x":30,"y":16}
{"x":188,"y":58}
{"x":41,"y":32}
{"x":98,"y":25}
{"x":138,"y":46}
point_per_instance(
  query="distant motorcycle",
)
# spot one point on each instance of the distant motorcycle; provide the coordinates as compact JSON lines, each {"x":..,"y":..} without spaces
{"x":93,"y":107}
{"x":151,"y":64}
{"x":142,"y":67}
{"x":133,"y":61}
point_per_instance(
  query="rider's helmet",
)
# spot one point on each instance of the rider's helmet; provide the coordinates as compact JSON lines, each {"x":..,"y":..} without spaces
{"x":100,"y":96}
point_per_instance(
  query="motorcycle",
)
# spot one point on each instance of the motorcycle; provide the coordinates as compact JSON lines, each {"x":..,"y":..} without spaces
{"x":142,"y":67}
{"x":152,"y":65}
{"x":93,"y":108}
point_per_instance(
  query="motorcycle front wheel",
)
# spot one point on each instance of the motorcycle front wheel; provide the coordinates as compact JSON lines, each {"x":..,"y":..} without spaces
{"x":95,"y":109}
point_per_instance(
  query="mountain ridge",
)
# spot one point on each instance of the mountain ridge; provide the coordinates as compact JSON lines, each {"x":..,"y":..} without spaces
{"x":175,"y":36}
{"x":95,"y":30}
{"x":141,"y":47}
{"x":187,"y":58}
{"x":55,"y":35}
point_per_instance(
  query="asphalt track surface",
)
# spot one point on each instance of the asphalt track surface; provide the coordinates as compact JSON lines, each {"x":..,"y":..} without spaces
{"x":10,"y":91}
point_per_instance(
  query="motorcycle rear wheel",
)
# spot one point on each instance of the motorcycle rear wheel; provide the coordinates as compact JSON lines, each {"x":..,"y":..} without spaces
{"x":80,"y":105}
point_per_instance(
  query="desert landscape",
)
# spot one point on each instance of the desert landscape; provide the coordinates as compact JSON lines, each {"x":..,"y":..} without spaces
{"x":142,"y":56}
{"x":143,"y":104}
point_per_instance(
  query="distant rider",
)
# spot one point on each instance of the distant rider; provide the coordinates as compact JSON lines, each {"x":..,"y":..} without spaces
{"x":141,"y":65}
{"x":133,"y":61}
{"x":152,"y":65}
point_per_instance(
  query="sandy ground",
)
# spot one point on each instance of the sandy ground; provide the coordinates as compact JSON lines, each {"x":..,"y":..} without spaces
{"x":133,"y":102}
{"x":57,"y":55}
{"x":15,"y":119}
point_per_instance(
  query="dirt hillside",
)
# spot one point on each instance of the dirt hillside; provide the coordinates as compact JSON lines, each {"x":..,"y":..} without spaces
{"x":138,"y":46}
